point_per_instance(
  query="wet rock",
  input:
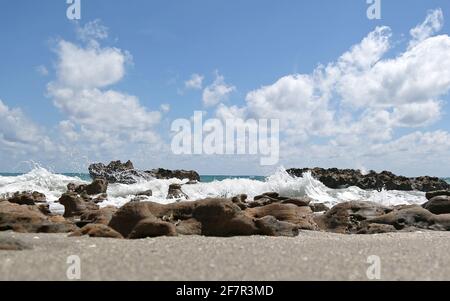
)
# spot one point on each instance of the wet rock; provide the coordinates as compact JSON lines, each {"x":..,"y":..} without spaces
{"x":125,"y":173}
{"x":303,"y":217}
{"x":27,"y":198}
{"x":438,"y":205}
{"x":340,"y":178}
{"x":100,"y":199}
{"x":319,"y":207}
{"x":176,"y":193}
{"x":414,"y":216}
{"x":433,"y":194}
{"x":273,"y":197}
{"x":101,"y":216}
{"x":153,"y":227}
{"x":98,"y":186}
{"x":270,"y":226}
{"x":348,"y":217}
{"x":97,"y":230}
{"x":145,"y":193}
{"x":12,"y":244}
{"x":29,"y":219}
{"x":376,"y":229}
{"x":75,"y":205}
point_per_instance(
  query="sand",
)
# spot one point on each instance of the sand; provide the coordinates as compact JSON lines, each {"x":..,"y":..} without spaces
{"x":310,"y":256}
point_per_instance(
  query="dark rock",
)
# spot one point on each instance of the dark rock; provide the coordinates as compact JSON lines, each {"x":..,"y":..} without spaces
{"x":175,"y":192}
{"x":98,"y":186}
{"x":339,"y":178}
{"x":414,"y":216}
{"x":97,"y":230}
{"x":145,"y":193}
{"x":433,"y":194}
{"x":376,"y":229}
{"x":189,"y":227}
{"x":161,"y":173}
{"x":303,"y":217}
{"x":273,"y":197}
{"x":124,"y":173}
{"x":319,"y":207}
{"x":270,"y":226}
{"x":12,"y":244}
{"x":101,"y":216}
{"x":438,"y":205}
{"x":75,"y":205}
{"x":153,"y":227}
{"x":127,"y":217}
{"x":348,"y":217}
{"x":241,"y":201}
{"x":27,"y":198}
{"x":100,"y":199}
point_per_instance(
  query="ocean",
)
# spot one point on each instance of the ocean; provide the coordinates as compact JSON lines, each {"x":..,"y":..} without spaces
{"x":54,"y":185}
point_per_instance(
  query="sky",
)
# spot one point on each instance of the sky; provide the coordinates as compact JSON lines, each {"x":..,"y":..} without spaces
{"x":350,"y":92}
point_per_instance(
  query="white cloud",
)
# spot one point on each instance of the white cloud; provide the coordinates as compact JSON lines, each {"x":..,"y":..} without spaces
{"x":432,"y":24}
{"x":165,"y":108}
{"x":92,"y":31}
{"x":217,"y":92}
{"x":195,"y":82}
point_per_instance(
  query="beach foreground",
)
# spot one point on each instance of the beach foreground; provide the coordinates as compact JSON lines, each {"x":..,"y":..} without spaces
{"x":310,"y":256}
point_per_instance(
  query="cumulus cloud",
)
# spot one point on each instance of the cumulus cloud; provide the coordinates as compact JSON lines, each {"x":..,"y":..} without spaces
{"x":217,"y":92}
{"x":432,"y":24}
{"x":195,"y":82}
{"x":92,"y":31}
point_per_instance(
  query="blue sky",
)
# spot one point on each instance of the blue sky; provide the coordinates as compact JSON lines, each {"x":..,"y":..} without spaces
{"x":241,"y":45}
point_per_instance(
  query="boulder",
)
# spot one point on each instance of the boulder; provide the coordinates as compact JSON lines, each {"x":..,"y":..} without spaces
{"x":75,"y":205}
{"x":273,"y":197}
{"x":270,"y":226}
{"x":128,"y":216}
{"x":153,"y":227}
{"x":189,"y":227}
{"x":98,"y":186}
{"x":303,"y":217}
{"x":27,"y":198}
{"x":318,"y":207}
{"x":438,"y":205}
{"x":414,"y":216}
{"x":175,"y":193}
{"x":97,"y":230}
{"x":348,"y":217}
{"x":433,"y":194}
{"x":101,"y":216}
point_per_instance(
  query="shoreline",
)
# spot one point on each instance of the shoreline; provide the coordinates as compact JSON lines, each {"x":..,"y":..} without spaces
{"x":310,"y":256}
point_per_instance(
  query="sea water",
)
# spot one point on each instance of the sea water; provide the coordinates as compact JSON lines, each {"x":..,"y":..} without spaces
{"x":53,"y":185}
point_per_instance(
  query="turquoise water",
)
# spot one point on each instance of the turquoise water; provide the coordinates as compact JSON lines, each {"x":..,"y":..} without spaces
{"x":204,"y":179}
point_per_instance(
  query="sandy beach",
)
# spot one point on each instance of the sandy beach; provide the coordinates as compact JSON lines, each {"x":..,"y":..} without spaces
{"x":310,"y":256}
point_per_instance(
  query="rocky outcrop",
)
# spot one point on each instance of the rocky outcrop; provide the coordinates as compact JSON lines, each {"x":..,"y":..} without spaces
{"x":75,"y":205}
{"x":26,"y":198}
{"x":340,"y":178}
{"x":210,"y":217}
{"x":100,"y":216}
{"x":29,"y":219}
{"x":97,"y":230}
{"x":125,"y":173}
{"x":176,"y":193}
{"x":98,"y":186}
{"x":438,"y":205}
{"x":348,"y":218}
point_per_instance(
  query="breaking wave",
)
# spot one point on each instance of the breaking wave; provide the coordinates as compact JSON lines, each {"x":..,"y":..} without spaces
{"x":54,"y":185}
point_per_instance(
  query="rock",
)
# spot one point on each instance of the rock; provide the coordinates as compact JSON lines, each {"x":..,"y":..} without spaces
{"x":347,"y":217}
{"x":27,"y":198}
{"x":303,"y":217}
{"x":175,"y":192}
{"x":433,"y":194}
{"x":124,"y":173}
{"x":438,"y":205}
{"x":29,"y":219}
{"x":189,"y":227}
{"x":100,"y":199}
{"x":414,"y":216}
{"x":165,"y":174}
{"x":75,"y":205}
{"x":145,"y":193}
{"x":44,"y":209}
{"x":273,"y":197}
{"x":153,"y":227}
{"x":241,"y":201}
{"x":270,"y":226}
{"x":339,"y":178}
{"x":319,"y":207}
{"x":128,"y":216}
{"x":101,"y":216}
{"x":97,"y":230}
{"x":97,"y":186}
{"x":12,"y":244}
